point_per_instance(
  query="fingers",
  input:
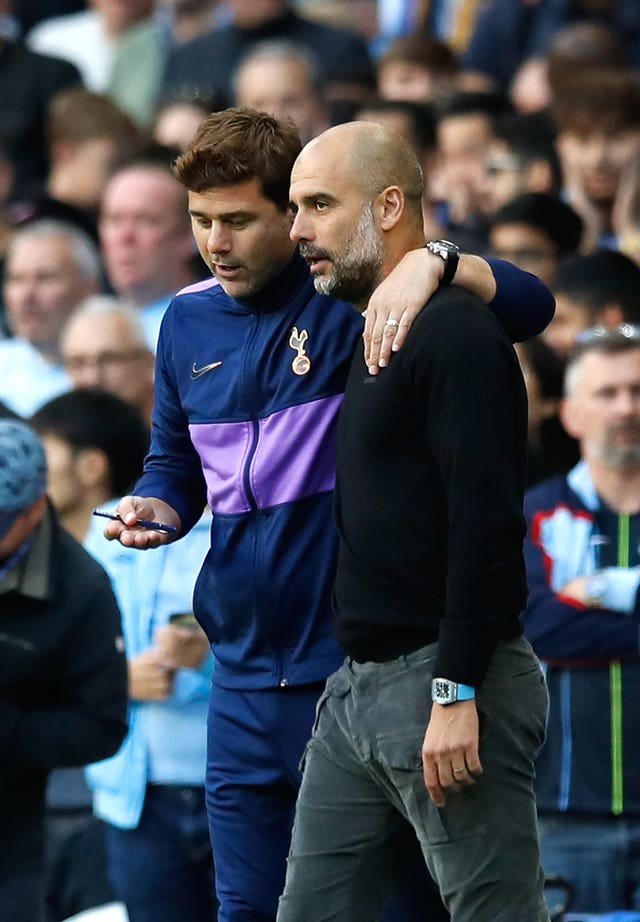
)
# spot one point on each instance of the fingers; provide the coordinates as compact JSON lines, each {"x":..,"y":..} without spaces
{"x":448,"y":776}
{"x":382,"y":336}
{"x":130,"y":509}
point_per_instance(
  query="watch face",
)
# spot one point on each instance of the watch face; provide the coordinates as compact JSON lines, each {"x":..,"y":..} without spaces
{"x":442,"y":691}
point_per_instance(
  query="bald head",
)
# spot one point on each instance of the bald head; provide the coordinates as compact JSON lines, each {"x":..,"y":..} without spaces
{"x":356,"y":192}
{"x":372,"y":156}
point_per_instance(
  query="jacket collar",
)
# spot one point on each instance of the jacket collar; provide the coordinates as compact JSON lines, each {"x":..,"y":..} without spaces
{"x":580,"y":480}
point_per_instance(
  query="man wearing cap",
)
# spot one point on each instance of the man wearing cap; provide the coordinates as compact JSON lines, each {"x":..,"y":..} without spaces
{"x":63,"y":682}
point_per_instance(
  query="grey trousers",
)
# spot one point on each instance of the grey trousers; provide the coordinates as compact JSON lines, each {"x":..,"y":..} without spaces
{"x":363,"y":792}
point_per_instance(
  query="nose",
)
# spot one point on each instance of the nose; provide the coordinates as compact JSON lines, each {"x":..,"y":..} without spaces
{"x":86,"y":372}
{"x":218,"y":240}
{"x":301,"y":229}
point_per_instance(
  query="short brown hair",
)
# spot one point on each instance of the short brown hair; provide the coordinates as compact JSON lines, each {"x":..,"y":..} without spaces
{"x":78,"y":115}
{"x":602,"y":98}
{"x":423,"y":51}
{"x":237,"y":145}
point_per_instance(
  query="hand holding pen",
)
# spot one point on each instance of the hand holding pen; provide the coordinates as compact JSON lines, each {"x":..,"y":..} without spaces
{"x":141,"y":522}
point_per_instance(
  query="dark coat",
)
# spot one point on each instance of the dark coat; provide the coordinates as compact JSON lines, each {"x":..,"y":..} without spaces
{"x":63,"y":681}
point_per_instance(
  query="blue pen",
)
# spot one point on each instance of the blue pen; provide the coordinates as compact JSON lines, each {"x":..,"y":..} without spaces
{"x":145,"y":523}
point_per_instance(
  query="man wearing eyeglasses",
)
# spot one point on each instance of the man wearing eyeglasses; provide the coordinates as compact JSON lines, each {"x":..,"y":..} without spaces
{"x":104,"y":345}
{"x":582,"y":618}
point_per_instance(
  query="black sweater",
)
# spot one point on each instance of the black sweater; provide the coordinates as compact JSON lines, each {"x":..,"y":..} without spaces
{"x":431,"y":473}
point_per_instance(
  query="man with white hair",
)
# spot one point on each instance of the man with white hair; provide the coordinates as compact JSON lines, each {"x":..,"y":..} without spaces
{"x":583,"y":567}
{"x":51,"y":266}
{"x":104,"y":345}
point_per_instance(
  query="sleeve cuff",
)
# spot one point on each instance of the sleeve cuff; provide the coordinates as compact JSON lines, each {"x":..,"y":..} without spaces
{"x":621,"y":588}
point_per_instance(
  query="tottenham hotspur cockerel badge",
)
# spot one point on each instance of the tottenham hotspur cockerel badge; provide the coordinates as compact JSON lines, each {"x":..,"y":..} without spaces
{"x":301,"y":364}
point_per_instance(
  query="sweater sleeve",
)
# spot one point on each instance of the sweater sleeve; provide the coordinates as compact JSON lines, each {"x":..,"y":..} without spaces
{"x":559,"y":629}
{"x":477,"y":432}
{"x":172,"y":469}
{"x":522,"y":303}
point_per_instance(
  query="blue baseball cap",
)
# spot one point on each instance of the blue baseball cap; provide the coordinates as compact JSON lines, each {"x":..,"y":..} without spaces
{"x":23,"y":471}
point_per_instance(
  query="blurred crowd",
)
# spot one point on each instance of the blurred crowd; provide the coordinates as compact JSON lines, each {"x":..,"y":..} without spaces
{"x":525,"y":115}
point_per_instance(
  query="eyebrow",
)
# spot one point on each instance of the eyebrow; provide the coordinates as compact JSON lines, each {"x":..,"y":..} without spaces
{"x":240,"y":213}
{"x":312,"y":197}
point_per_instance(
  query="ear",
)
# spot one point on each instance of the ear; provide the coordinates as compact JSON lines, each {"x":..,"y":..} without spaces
{"x":92,"y":467}
{"x":390,"y":203}
{"x":570,"y":417}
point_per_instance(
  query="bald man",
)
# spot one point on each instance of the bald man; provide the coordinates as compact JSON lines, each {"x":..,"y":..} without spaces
{"x":249,"y":379}
{"x":430,"y":581}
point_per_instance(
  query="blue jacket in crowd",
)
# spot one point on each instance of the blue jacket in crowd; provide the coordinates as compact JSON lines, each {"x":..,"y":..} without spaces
{"x":590,"y":762}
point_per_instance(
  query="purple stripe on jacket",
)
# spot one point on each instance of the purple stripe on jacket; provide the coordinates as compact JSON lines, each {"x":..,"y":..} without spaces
{"x":198,"y":286}
{"x":295,"y":456}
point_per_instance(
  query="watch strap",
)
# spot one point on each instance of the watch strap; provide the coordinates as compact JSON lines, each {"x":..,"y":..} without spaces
{"x":450,"y":254}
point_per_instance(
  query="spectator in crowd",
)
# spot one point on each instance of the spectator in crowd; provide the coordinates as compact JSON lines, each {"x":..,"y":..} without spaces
{"x":597,"y":116}
{"x":185,"y":20}
{"x":465,"y":130}
{"x":573,"y":49}
{"x":417,"y":67}
{"x":146,"y":235}
{"x":597,"y":289}
{"x":536,"y":231}
{"x":104,"y":345}
{"x":450,"y":21}
{"x":87,"y":133}
{"x":281,"y":78}
{"x":508,"y":33}
{"x":89,"y":39}
{"x":95,"y":445}
{"x":550,"y":449}
{"x":177,"y":119}
{"x":63,"y":675}
{"x":583,"y":568}
{"x":429,"y":585}
{"x":270,"y":323}
{"x":207,"y":64}
{"x":521,"y":157}
{"x":28,"y":82}
{"x":151,"y":793}
{"x":51,"y":266}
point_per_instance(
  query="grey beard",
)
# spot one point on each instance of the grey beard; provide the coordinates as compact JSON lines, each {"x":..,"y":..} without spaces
{"x":356,"y":269}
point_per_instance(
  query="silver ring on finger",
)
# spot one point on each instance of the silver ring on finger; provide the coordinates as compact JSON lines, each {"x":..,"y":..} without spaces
{"x":391,"y":322}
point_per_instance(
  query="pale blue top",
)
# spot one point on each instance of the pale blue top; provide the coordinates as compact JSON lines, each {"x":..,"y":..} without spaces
{"x":166,"y":742}
{"x":27,"y":379}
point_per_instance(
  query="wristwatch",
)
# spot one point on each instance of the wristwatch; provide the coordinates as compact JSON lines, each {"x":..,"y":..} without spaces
{"x":451,"y":255}
{"x":444,"y":691}
{"x":596,"y":588}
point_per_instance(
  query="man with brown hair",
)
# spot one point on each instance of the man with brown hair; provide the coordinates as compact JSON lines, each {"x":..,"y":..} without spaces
{"x":597,"y":117}
{"x":250,"y":376}
{"x":86,"y":133}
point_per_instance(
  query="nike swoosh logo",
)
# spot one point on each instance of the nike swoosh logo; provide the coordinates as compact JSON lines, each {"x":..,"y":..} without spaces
{"x":198,"y":372}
